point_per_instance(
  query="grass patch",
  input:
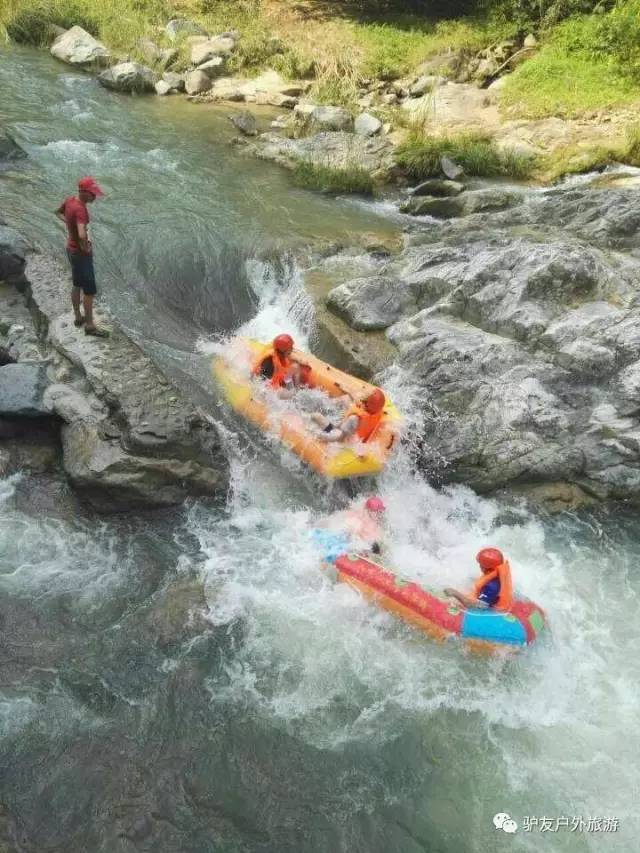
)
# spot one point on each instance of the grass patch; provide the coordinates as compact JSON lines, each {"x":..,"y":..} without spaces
{"x":118,"y":23}
{"x":27,"y":22}
{"x":565,"y":85}
{"x":326,"y":179}
{"x":577,"y":160}
{"x":574,"y":73}
{"x":477,"y":153}
{"x":394,"y":48}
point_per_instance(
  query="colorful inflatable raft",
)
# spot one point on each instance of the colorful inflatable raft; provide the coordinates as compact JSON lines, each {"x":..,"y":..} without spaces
{"x":245,"y":396}
{"x":485,"y":631}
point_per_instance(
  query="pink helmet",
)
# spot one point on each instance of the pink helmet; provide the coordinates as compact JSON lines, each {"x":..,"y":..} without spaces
{"x":375,"y":504}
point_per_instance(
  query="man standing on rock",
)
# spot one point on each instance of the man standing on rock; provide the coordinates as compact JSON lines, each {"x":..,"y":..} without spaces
{"x":73,"y":212}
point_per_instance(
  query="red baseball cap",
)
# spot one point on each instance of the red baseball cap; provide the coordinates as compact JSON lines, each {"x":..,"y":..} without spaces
{"x":89,"y":185}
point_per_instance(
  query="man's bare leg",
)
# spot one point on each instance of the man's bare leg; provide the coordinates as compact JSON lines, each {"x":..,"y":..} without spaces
{"x":76,"y":294}
{"x":87,"y":302}
{"x":89,"y":322}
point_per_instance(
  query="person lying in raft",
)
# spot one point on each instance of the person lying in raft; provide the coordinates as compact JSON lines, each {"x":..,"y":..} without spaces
{"x":276,"y":366}
{"x":493,"y":589}
{"x":365,"y":524}
{"x":361,"y":419}
{"x":360,"y":528}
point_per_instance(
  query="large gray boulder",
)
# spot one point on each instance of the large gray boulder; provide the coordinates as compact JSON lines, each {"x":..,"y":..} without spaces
{"x":521,"y":332}
{"x":451,"y":169}
{"x":425,"y":84}
{"x":438,"y":187}
{"x":245,"y":122}
{"x":130,"y":439}
{"x":212,"y":67}
{"x":601,"y":216}
{"x":160,"y":57}
{"x":174,"y":81}
{"x":129,"y":77}
{"x":337,"y":150}
{"x":78,"y":47}
{"x":180,"y":27}
{"x":370,"y":304}
{"x":367,"y":125}
{"x":9,"y":148}
{"x":22,"y":390}
{"x":196,"y":82}
{"x":276,"y":99}
{"x":206,"y":50}
{"x":163,"y":88}
{"x":476,"y":201}
{"x":267,"y":88}
{"x":112,"y":477}
{"x":330,"y":118}
{"x":13,"y":254}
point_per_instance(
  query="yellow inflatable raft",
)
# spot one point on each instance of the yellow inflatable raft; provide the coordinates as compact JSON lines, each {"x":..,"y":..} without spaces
{"x":258,"y":404}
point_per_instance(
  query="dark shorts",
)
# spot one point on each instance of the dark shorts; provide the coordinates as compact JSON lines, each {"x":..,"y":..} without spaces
{"x":82,"y":272}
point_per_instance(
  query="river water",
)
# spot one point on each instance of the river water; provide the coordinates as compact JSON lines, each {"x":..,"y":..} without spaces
{"x":188,"y":681}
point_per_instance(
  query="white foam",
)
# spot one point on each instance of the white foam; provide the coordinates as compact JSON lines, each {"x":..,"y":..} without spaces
{"x":117,"y":157}
{"x":320,"y":659}
{"x":79,"y":150}
{"x":283,"y":306}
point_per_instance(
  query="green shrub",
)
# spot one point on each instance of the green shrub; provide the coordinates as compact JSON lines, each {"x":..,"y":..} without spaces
{"x":294,"y":65}
{"x":334,"y":90}
{"x":538,"y":14}
{"x":616,"y":36}
{"x":327,"y":179}
{"x":256,"y":49}
{"x":632,"y":146}
{"x":477,"y":153}
{"x":29,"y":24}
{"x":119,"y":23}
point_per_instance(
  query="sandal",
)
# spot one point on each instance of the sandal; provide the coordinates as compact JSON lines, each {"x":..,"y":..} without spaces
{"x":78,"y":323}
{"x":96,"y":333}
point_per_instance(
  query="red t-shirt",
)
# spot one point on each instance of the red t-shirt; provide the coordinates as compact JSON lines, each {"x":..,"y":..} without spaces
{"x":75,"y":212}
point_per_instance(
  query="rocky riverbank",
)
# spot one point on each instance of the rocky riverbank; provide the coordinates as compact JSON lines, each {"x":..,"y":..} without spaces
{"x":519,"y":330}
{"x":455,"y":92}
{"x":125,"y":437}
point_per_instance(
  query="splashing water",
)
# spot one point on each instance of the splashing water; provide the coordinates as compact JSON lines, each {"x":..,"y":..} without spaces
{"x":548,"y":729}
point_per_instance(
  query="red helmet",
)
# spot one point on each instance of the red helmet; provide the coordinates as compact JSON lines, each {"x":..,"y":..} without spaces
{"x":374,"y":403}
{"x":489,"y":559}
{"x":283,"y":343}
{"x":89,"y":185}
{"x":374,"y":504}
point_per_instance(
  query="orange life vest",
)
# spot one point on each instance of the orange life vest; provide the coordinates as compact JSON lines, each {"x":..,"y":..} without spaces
{"x":503,"y":574}
{"x":281,"y":367}
{"x":367,"y":423}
